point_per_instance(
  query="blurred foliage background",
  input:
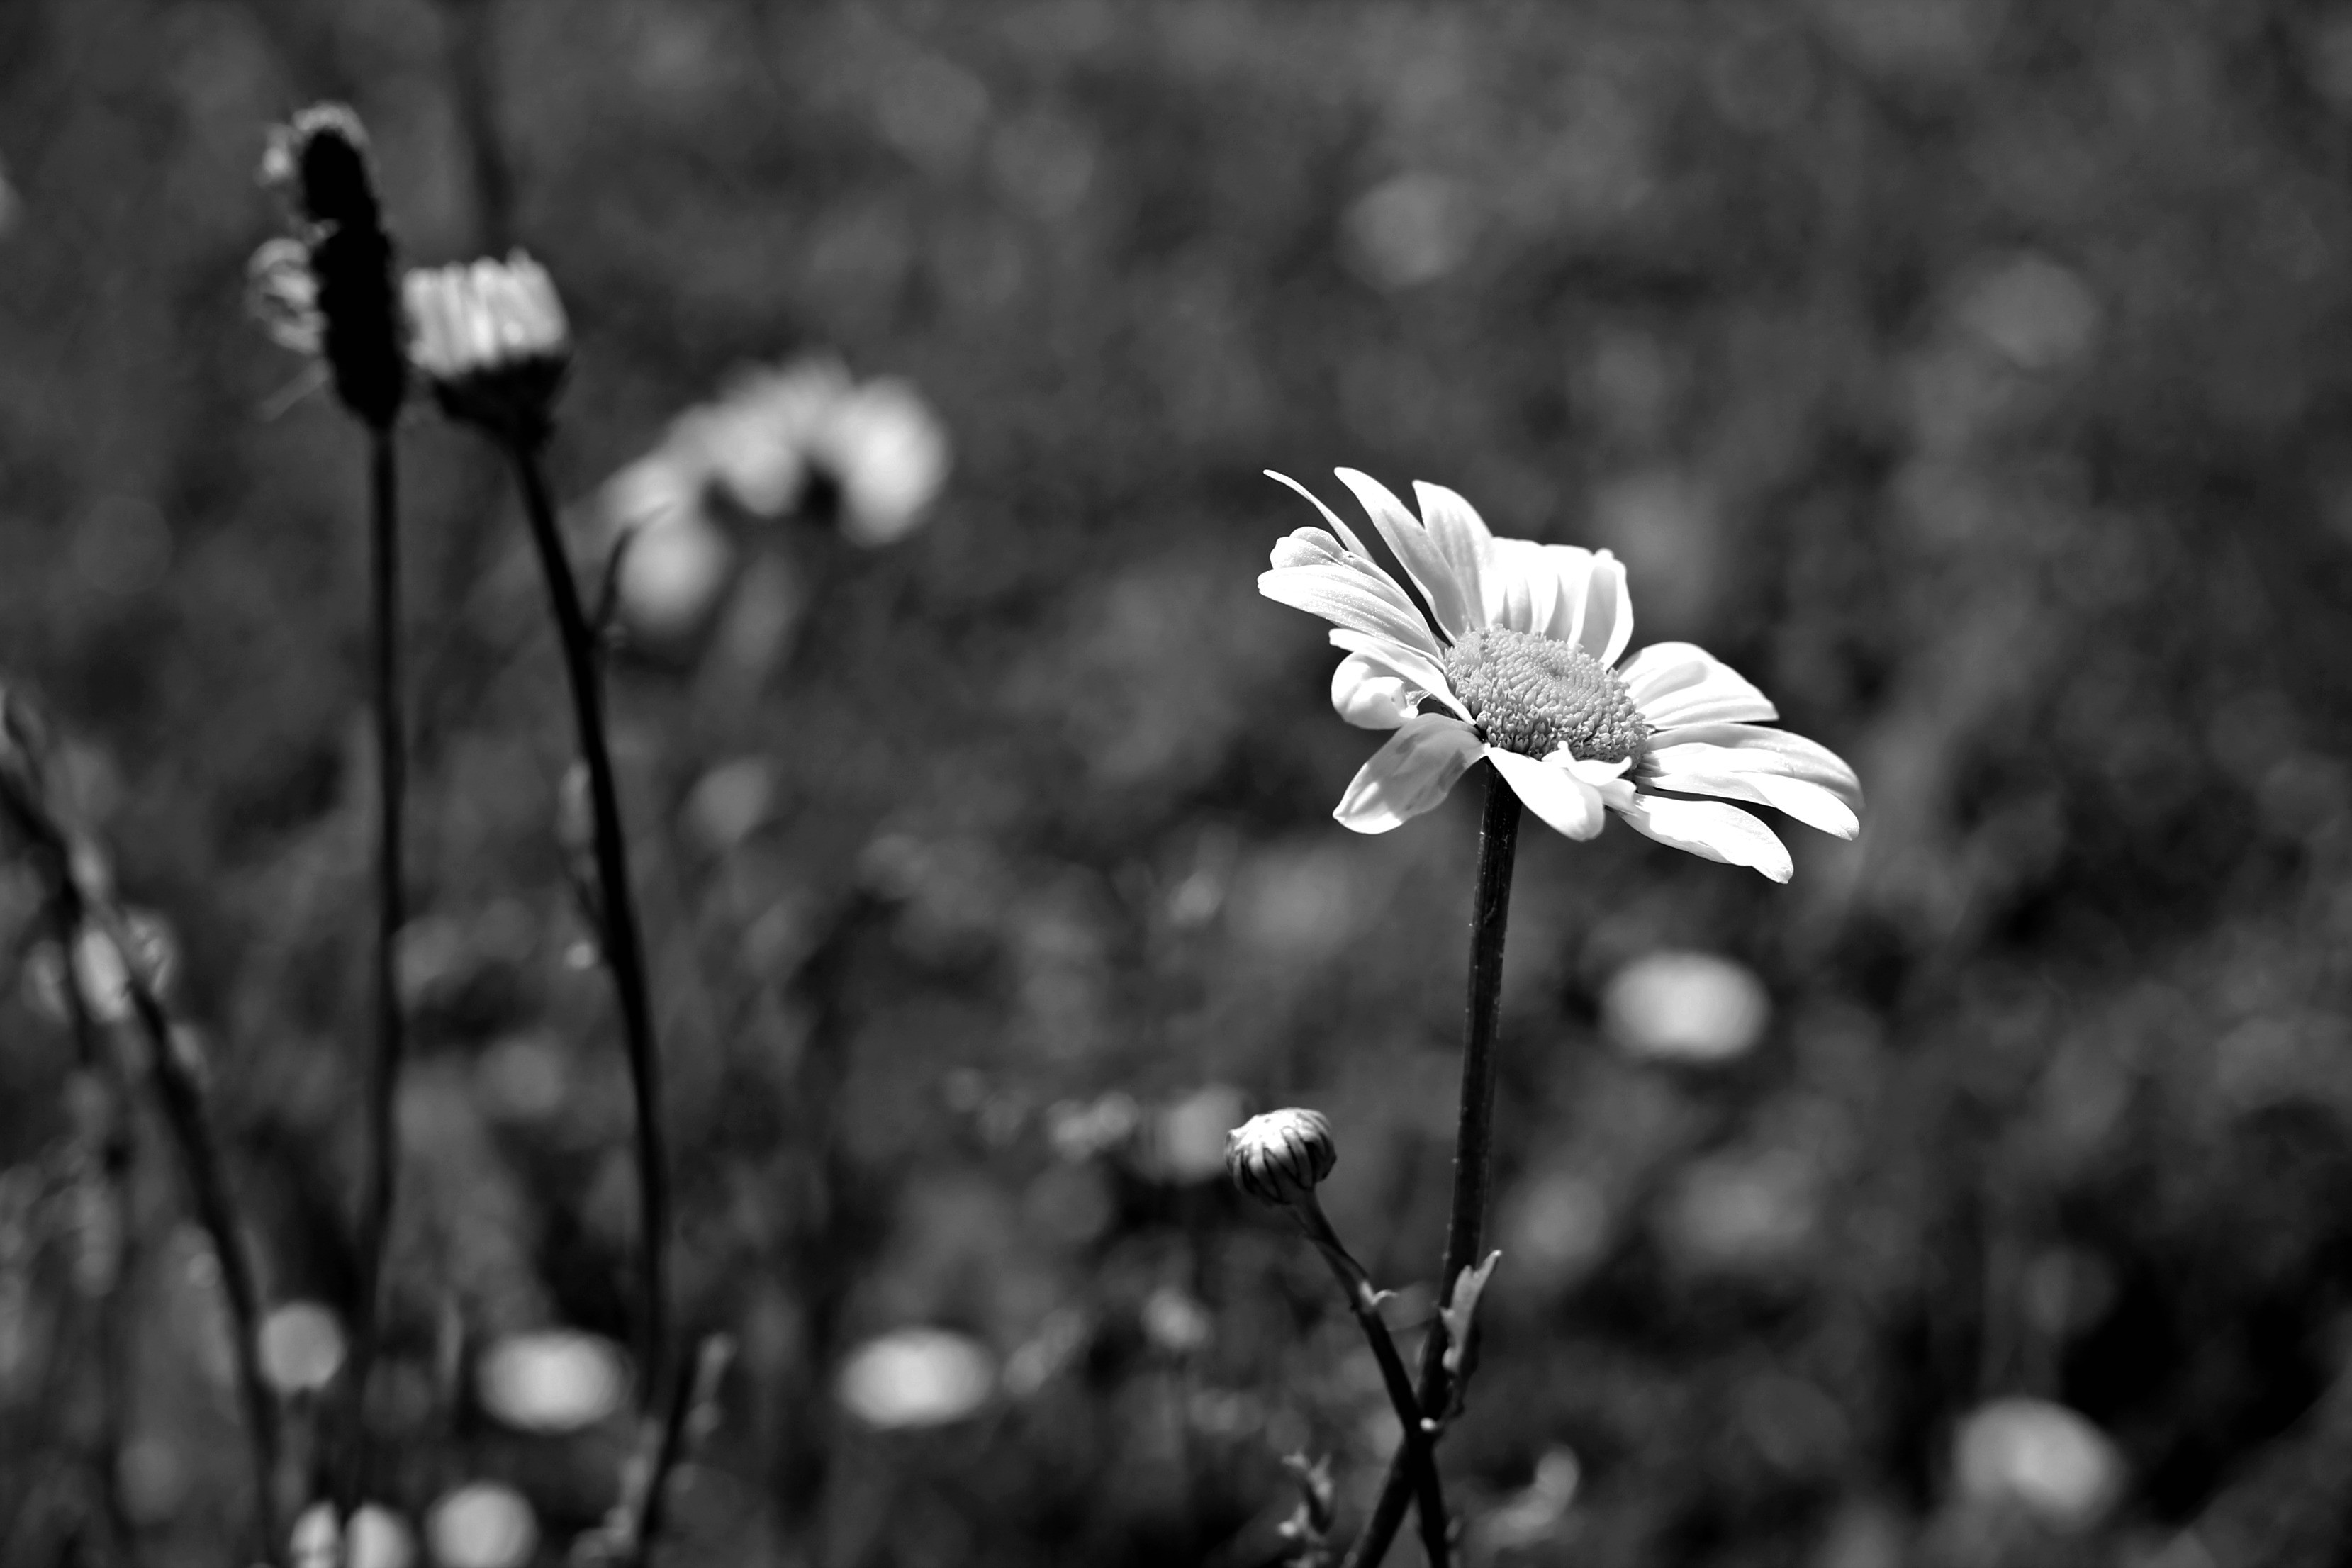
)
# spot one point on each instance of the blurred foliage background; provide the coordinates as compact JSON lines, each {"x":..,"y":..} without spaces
{"x":1972,"y":375}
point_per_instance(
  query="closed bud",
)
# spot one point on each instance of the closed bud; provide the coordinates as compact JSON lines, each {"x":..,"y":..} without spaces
{"x":1280,"y":1157}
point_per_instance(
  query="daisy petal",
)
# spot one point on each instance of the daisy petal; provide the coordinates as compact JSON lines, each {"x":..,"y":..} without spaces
{"x":1808,"y":802}
{"x":1607,"y":624}
{"x":1462,"y":538}
{"x":1712,"y":830}
{"x":1679,"y":683}
{"x":1341,"y":529}
{"x":1409,"y":775}
{"x":1521,"y":586}
{"x":1753,"y":749}
{"x":1559,"y":796}
{"x":1370,"y":698}
{"x":1421,"y":673}
{"x":1307,"y":547}
{"x":1352,"y":598}
{"x":1424,"y":561}
{"x":1572,"y":571}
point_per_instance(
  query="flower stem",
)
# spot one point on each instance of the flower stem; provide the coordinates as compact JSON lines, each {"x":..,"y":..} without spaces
{"x":1490,"y":911}
{"x":384,"y":1068}
{"x":77,"y":889}
{"x":1415,"y":1454}
{"x":664,"y":1445}
{"x":107,"y":1151}
{"x":182,"y":1095}
{"x":623,"y":952}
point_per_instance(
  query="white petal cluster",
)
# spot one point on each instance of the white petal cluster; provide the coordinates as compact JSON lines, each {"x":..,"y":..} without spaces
{"x":474,"y":318}
{"x":1706,"y":731}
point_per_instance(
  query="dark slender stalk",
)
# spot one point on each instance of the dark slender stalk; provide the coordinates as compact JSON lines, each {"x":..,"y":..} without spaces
{"x":73,"y":871}
{"x":693,"y":1402}
{"x":111,"y":1160}
{"x":623,"y":952}
{"x":182,"y":1096}
{"x":1417,"y":1453}
{"x":382,"y":1145}
{"x":1490,"y":913}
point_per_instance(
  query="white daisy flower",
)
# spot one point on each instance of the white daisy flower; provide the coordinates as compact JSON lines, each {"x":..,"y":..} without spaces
{"x":1521,"y":666}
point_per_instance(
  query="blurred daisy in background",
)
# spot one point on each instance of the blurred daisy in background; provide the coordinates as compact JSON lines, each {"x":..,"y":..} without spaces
{"x":482,"y":1524}
{"x":379,"y":1539}
{"x":917,"y":1377}
{"x":1519,"y":651}
{"x":1685,"y":1007}
{"x":2041,"y":1459}
{"x":806,"y":439}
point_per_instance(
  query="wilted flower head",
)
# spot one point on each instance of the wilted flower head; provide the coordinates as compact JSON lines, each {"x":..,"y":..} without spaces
{"x":492,"y":339}
{"x":1522,"y":663}
{"x":320,"y":159}
{"x":1281,"y":1157}
{"x":344,"y":308}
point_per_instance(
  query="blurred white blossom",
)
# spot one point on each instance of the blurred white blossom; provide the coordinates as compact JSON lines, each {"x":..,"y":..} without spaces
{"x":1740,"y":1211}
{"x":1536,"y":1514}
{"x":1185,"y":1142}
{"x":806,"y":435}
{"x":483,"y":1524}
{"x":775,"y":433}
{"x":379,"y":1539}
{"x":301,"y":1347}
{"x":552,"y":1380}
{"x":917,"y":1377}
{"x":676,"y":559}
{"x":1685,"y":1007}
{"x":1175,"y":1321}
{"x":2041,"y":1457}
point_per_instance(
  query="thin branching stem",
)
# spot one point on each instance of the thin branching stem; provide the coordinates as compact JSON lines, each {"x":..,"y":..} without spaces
{"x":1490,"y":911}
{"x":623,"y":951}
{"x":77,"y":889}
{"x":1416,"y":1452}
{"x":182,"y":1095}
{"x":693,"y":1408}
{"x":381,"y":1136}
{"x":110,"y":1160}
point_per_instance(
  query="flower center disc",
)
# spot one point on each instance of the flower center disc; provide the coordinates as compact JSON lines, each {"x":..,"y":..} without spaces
{"x":1534,"y":695}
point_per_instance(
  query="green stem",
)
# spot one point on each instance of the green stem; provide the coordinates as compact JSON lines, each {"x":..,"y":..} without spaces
{"x":623,"y":951}
{"x":1474,"y":1141}
{"x":384,"y":1067}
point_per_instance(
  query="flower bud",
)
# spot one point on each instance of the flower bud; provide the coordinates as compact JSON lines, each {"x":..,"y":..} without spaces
{"x":1280,"y":1157}
{"x":492,"y":339}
